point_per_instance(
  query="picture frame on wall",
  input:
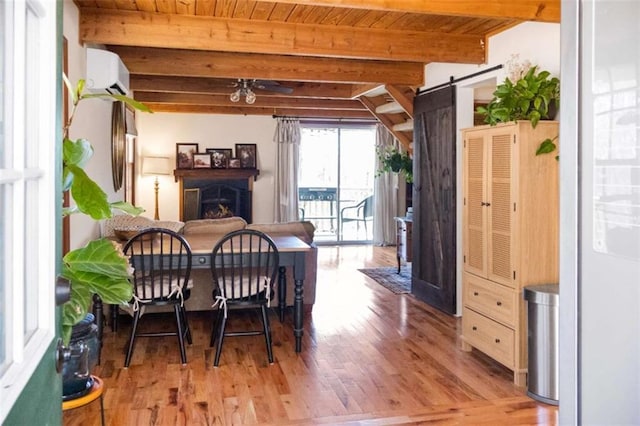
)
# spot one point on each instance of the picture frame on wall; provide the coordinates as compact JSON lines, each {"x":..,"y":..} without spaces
{"x":202,"y":160}
{"x":184,"y":155}
{"x":220,"y":157}
{"x":247,"y":154}
{"x":234,"y":163}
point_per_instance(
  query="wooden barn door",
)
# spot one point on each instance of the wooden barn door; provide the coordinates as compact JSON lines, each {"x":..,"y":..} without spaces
{"x":434,"y":199}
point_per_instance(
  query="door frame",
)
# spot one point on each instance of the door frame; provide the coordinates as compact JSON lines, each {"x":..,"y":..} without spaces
{"x":30,"y":388}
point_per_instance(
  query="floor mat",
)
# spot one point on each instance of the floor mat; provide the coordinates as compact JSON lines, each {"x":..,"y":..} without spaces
{"x":389,"y":277}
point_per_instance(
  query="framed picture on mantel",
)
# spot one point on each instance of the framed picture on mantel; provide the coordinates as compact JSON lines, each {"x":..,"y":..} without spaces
{"x":202,"y":160}
{"x":219,"y":157}
{"x":246,"y":153}
{"x":184,"y":155}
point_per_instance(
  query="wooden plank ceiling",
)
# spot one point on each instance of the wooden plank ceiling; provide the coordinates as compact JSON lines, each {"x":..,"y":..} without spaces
{"x":339,"y":57}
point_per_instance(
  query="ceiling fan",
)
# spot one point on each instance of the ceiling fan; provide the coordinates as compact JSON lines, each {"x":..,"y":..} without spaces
{"x":244,"y":87}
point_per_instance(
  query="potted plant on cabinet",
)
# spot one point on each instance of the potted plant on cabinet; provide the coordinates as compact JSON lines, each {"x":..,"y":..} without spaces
{"x":527,"y":94}
{"x":100,"y":268}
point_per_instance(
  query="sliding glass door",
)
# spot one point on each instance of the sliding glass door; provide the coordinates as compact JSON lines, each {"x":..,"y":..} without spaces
{"x":336,"y":181}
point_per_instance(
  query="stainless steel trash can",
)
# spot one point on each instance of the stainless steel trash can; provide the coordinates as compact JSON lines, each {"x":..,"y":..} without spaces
{"x":542,"y":339}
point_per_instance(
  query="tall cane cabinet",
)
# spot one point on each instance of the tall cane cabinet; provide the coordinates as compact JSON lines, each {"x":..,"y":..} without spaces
{"x":510,"y":235}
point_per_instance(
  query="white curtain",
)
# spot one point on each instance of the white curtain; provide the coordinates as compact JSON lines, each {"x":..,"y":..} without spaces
{"x":386,"y":194}
{"x":287,"y":138}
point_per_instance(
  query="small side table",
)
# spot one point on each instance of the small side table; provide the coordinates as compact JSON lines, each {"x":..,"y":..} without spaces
{"x":404,"y":243}
{"x":96,"y":392}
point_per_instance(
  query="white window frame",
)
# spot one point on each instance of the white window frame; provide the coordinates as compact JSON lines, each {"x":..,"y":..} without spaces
{"x":33,"y":21}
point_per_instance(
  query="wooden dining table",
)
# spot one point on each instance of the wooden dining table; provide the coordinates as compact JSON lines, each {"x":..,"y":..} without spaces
{"x":292,"y":252}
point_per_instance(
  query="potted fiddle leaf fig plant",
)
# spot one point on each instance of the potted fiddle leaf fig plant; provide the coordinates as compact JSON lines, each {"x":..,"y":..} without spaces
{"x":528,"y":94}
{"x":392,"y":160}
{"x":99,"y":268}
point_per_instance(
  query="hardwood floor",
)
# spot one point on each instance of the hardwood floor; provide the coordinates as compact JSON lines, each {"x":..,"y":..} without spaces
{"x":369,"y":357}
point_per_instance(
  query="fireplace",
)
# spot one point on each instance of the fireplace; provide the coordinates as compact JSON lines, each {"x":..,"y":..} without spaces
{"x":215,"y":193}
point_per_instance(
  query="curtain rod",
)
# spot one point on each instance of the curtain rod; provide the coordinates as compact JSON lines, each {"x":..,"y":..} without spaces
{"x":311,"y":120}
{"x":337,"y":121}
{"x":453,"y":81}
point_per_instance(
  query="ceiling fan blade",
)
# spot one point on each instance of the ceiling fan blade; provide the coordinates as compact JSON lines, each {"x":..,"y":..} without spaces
{"x":272,"y":86}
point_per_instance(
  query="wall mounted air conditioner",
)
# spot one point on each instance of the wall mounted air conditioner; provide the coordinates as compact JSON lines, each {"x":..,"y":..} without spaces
{"x":106,"y":73}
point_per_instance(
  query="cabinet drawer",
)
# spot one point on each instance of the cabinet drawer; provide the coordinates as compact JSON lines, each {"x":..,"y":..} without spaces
{"x":490,"y":337}
{"x":491,"y":299}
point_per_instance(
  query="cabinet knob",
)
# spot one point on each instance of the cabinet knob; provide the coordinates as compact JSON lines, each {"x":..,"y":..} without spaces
{"x":497,"y":340}
{"x":499,"y":303}
{"x":475,"y":293}
{"x":474,"y":328}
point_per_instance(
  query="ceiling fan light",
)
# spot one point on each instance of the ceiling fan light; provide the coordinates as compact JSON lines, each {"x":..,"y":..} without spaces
{"x":235,"y":96}
{"x":250,"y":97}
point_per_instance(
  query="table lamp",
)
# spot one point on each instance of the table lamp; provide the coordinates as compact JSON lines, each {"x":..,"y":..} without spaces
{"x":156,"y":166}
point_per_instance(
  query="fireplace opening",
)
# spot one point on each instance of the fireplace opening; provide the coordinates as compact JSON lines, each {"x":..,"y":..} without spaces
{"x":206,"y":199}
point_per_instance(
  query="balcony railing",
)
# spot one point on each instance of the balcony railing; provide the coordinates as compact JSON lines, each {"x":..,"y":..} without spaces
{"x":322,"y":205}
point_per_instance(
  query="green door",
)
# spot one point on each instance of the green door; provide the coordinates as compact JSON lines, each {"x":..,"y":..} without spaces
{"x":30,"y":40}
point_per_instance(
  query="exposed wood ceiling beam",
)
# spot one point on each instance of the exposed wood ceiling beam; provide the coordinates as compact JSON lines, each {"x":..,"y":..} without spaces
{"x":126,"y":28}
{"x":386,"y":120}
{"x":526,"y":10}
{"x":261,"y":101}
{"x":156,"y":83}
{"x":190,"y":63}
{"x":246,"y":110}
{"x":402,"y":98}
{"x":362,"y":89}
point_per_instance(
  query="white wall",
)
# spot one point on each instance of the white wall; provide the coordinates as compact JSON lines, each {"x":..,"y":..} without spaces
{"x":92,"y":122}
{"x":158,"y":134}
{"x":538,"y":43}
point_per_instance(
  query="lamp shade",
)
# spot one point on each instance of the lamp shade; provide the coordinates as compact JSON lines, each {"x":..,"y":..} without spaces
{"x":156,"y":166}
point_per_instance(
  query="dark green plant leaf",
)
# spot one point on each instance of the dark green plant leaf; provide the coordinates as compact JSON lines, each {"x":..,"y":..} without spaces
{"x":89,"y":197}
{"x":76,"y":308}
{"x":76,"y":152}
{"x":543,"y":75}
{"x":534,"y":116}
{"x":99,"y":256}
{"x":130,"y":101}
{"x":502,"y":90}
{"x":537,"y":102}
{"x":98,"y":268}
{"x":133,"y":103}
{"x":546,"y":147}
{"x":529,"y":75}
